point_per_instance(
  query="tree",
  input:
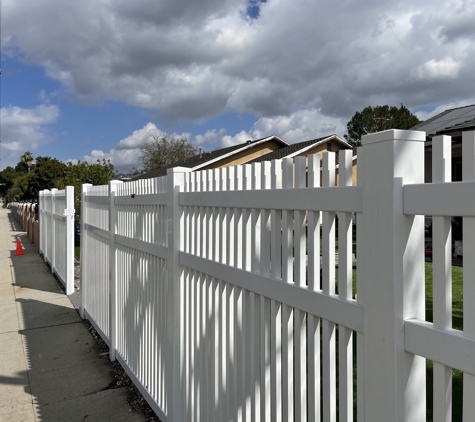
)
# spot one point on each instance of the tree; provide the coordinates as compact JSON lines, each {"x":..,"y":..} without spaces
{"x":48,"y":173}
{"x":27,"y":158}
{"x":19,"y":190}
{"x":376,"y":119}
{"x":162,"y":151}
{"x":7,"y":177}
{"x":80,"y":173}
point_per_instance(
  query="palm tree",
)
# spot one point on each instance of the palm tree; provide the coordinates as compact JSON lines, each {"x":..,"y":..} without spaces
{"x":27,"y":158}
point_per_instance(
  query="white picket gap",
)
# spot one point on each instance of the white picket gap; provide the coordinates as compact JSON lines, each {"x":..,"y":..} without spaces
{"x":214,"y":294}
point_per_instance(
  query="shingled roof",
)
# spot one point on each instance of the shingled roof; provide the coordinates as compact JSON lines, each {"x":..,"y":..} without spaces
{"x":206,"y":158}
{"x":459,"y":126}
{"x":448,"y":120}
{"x":296,"y":149}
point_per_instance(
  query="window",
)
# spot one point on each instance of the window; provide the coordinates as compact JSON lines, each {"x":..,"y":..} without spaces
{"x":329,"y":146}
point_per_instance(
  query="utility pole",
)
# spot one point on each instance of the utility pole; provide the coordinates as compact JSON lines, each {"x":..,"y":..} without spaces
{"x":382,"y":122}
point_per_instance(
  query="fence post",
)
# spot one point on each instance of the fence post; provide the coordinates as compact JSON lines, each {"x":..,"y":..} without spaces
{"x":83,"y":246}
{"x":112,"y":269}
{"x":40,"y":213}
{"x":468,"y":175}
{"x":69,"y":214}
{"x":46,"y":230}
{"x":393,"y":275}
{"x":176,"y":398}
{"x":53,"y":228}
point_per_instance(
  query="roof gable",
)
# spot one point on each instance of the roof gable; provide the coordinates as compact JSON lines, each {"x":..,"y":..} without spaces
{"x":296,"y":149}
{"x":206,"y":158}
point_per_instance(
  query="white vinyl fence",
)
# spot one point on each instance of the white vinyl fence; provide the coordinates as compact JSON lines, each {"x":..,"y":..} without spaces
{"x":56,"y":218}
{"x":199,"y":284}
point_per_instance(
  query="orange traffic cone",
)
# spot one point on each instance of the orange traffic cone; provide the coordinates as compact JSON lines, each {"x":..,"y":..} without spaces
{"x":19,"y":248}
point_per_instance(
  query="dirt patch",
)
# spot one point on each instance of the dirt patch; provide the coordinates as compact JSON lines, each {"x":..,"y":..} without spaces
{"x":121,"y":379}
{"x":77,"y":275}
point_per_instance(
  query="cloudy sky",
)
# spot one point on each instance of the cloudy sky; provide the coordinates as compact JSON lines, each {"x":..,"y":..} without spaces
{"x":95,"y":78}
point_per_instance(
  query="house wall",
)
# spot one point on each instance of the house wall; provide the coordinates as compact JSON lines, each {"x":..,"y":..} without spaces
{"x":246,"y":155}
{"x":354,"y":170}
{"x":336,"y":146}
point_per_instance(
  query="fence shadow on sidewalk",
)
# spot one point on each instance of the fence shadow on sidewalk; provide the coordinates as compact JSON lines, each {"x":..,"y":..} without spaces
{"x":65,"y":378}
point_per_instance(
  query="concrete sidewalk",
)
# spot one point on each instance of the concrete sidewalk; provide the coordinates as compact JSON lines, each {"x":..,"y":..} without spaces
{"x":50,"y":369}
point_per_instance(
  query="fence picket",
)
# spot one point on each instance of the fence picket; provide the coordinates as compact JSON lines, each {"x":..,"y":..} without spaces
{"x":314,"y":354}
{"x":287,"y":316}
{"x":328,"y":284}
{"x":300,"y":358}
{"x":276,"y":313}
{"x":345,"y":292}
{"x":442,"y":278}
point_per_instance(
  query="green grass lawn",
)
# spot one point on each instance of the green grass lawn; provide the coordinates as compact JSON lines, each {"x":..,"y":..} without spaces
{"x":457,"y":323}
{"x":77,"y":250}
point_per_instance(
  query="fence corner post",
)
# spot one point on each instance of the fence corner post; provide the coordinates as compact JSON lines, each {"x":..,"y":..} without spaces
{"x":393,"y":275}
{"x":69,"y":214}
{"x":83,"y":246}
{"x":175,"y":404}
{"x":113,"y":184}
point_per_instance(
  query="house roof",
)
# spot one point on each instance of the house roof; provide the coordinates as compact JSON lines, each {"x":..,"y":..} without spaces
{"x":468,"y":124}
{"x":447,"y":119}
{"x":296,"y":149}
{"x":206,"y":158}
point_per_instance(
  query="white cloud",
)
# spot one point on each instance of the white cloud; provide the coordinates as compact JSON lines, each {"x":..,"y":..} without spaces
{"x":45,"y":97}
{"x":24,"y":129}
{"x":211,"y":138}
{"x":191,"y":60}
{"x":243,"y":136}
{"x":300,"y":126}
{"x":444,"y":68}
{"x":126,"y":154}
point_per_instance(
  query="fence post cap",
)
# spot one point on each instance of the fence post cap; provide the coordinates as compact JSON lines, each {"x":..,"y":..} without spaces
{"x":394,"y":135}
